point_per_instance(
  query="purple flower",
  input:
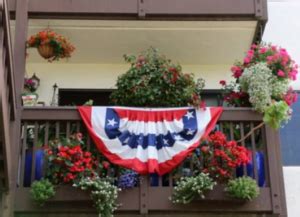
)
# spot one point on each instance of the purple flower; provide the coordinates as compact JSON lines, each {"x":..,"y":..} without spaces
{"x":128,"y":180}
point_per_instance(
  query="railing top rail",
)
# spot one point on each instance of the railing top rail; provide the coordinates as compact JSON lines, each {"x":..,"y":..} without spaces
{"x":71,"y":114}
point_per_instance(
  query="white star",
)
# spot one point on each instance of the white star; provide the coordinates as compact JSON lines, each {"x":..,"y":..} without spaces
{"x":140,"y":140}
{"x":189,"y":115}
{"x":177,"y":137}
{"x":166,"y":142}
{"x":126,"y":140}
{"x":112,"y":122}
{"x":190,"y":132}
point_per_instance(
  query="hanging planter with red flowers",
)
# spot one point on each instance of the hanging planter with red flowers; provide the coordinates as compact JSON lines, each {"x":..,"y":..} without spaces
{"x":51,"y":45}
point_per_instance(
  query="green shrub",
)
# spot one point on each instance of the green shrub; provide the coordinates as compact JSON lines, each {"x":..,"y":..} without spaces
{"x":154,"y":81}
{"x":243,"y":188}
{"x":190,"y":188}
{"x":41,"y":191}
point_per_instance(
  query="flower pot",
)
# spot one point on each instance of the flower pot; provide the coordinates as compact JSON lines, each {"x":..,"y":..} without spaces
{"x":46,"y":51}
{"x":39,"y":162}
{"x":260,"y":164}
{"x":29,"y":99}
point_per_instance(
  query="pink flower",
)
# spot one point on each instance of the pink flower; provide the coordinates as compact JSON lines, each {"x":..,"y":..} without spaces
{"x":263,"y":50}
{"x":274,"y":48}
{"x":237,"y":71}
{"x":253,"y":46}
{"x":283,"y":52}
{"x":247,"y":60}
{"x":223,"y":82}
{"x":293,"y":74}
{"x":269,"y":58}
{"x":250,"y":54}
{"x":280,"y":73}
{"x":290,"y":97}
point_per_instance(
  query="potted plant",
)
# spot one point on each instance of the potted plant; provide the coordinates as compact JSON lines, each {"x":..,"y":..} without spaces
{"x":51,"y":45}
{"x":29,"y":95}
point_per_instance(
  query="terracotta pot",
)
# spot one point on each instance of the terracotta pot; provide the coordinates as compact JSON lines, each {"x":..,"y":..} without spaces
{"x":46,"y":51}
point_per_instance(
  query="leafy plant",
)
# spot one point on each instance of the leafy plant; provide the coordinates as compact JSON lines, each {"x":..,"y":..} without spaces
{"x":41,"y":191}
{"x":244,"y":188}
{"x":103,"y":193}
{"x":154,"y":81}
{"x":190,"y":188}
{"x":277,"y":113}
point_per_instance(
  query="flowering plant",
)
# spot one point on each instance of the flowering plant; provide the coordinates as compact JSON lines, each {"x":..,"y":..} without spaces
{"x":189,"y":188}
{"x":128,"y":179}
{"x":103,"y":193}
{"x":30,"y":85}
{"x":221,"y":157}
{"x":58,"y":45}
{"x":153,"y":81}
{"x":67,"y":161}
{"x":262,"y":81}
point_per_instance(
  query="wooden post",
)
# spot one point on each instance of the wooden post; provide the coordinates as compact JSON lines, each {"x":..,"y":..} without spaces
{"x":19,"y":70}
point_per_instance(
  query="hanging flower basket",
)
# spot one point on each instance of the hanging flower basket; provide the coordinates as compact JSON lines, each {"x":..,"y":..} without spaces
{"x":51,"y":45}
{"x":46,"y":51}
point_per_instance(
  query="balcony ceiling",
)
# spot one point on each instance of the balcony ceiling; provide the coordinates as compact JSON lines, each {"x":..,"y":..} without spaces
{"x":187,"y":42}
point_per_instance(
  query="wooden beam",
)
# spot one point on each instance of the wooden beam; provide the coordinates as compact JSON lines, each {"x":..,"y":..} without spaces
{"x":179,"y":8}
{"x":215,"y":201}
{"x":71,"y":113}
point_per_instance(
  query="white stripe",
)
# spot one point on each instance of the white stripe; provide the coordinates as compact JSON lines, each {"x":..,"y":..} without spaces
{"x":145,"y":128}
{"x":162,"y":155}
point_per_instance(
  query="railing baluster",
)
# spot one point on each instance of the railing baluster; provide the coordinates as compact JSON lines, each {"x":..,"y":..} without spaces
{"x":46,"y":137}
{"x":170,"y":179}
{"x":231,"y":131}
{"x":221,"y":126}
{"x":68,"y":129}
{"x":77,"y":126}
{"x":242,"y":131}
{"x":34,"y":147}
{"x":46,"y":142}
{"x":264,"y":142}
{"x":24,"y":146}
{"x":253,"y":145}
{"x":160,"y":181}
{"x":57,"y":129}
{"x":88,"y":142}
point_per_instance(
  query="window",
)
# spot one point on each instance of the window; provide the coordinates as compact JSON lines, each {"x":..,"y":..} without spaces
{"x":290,"y":143}
{"x":69,"y":97}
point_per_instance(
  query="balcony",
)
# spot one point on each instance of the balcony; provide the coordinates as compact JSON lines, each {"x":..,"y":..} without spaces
{"x":40,"y":124}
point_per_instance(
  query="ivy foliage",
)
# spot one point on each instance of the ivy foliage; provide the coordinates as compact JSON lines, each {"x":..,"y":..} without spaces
{"x":277,"y":113}
{"x":244,"y":188}
{"x":41,"y":191}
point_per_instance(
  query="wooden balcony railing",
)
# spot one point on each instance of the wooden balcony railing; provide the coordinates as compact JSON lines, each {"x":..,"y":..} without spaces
{"x":7,"y":94}
{"x":39,"y":125}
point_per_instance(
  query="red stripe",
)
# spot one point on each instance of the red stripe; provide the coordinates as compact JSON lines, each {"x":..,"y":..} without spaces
{"x":152,"y":165}
{"x":153,"y":116}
